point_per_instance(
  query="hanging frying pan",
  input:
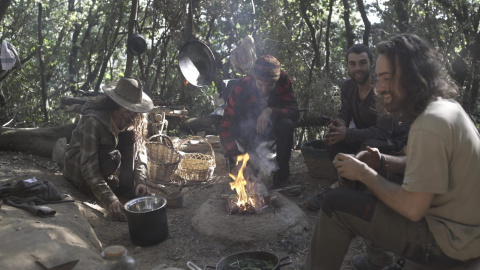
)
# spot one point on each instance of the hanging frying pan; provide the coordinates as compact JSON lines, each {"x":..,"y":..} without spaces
{"x":197,"y":63}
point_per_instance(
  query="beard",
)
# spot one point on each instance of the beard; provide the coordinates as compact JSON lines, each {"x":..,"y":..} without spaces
{"x":362,"y":79}
{"x":389,"y":102}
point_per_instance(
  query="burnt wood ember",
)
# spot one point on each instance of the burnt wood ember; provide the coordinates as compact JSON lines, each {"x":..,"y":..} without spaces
{"x":234,"y":209}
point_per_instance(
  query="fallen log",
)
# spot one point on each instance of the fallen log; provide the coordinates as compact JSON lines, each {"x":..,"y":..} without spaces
{"x":74,"y":105}
{"x":37,"y":141}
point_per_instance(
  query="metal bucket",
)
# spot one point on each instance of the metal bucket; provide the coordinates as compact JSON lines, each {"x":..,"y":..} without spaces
{"x":147,"y":220}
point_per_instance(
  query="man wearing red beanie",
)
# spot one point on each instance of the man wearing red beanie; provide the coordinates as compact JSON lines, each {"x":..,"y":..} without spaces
{"x":262,"y":106}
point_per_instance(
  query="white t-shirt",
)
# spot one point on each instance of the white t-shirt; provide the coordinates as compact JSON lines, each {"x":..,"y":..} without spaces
{"x":444,"y":158}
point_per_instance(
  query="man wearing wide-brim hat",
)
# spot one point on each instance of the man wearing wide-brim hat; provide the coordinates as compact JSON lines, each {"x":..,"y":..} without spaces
{"x":106,"y":156}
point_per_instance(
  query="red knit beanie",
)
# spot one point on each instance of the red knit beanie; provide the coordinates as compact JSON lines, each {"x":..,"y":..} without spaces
{"x":266,"y":68}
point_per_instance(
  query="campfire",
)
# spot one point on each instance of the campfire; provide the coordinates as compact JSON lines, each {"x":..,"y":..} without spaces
{"x":248,"y":199}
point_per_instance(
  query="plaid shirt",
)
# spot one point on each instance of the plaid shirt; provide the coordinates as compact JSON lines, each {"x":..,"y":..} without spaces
{"x":243,"y":106}
{"x":92,"y":134}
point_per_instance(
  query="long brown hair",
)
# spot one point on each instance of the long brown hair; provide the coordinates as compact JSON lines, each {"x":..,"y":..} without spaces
{"x":423,"y":74}
{"x":139,"y":121}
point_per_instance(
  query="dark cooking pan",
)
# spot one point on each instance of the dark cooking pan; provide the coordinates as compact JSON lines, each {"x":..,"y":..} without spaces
{"x":196,"y":63}
{"x":250,"y":260}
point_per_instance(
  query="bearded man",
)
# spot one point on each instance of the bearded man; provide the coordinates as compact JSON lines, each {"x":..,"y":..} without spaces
{"x":358,"y":105}
{"x":106,"y":156}
{"x":432,"y":217}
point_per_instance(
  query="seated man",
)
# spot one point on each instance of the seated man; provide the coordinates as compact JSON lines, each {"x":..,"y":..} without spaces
{"x":358,"y":103}
{"x":106,"y":155}
{"x":261,"y":106}
{"x":432,"y":217}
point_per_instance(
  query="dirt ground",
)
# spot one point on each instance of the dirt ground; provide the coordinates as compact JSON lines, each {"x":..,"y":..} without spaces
{"x":82,"y":228}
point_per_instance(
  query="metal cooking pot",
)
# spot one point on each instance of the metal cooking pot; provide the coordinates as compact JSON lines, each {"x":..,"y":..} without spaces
{"x":197,"y":63}
{"x":136,"y":44}
{"x":226,"y":262}
{"x":147,"y":220}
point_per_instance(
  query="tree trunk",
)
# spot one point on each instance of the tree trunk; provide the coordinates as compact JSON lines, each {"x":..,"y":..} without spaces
{"x":327,"y":37}
{"x":37,"y":141}
{"x":402,"y":13}
{"x":72,"y":60}
{"x":3,"y":8}
{"x":316,"y":58}
{"x":348,"y":27}
{"x":366,"y":22}
{"x":131,"y":25}
{"x":41,"y":60}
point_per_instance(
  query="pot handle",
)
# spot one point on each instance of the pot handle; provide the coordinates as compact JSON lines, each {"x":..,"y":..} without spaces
{"x":287,"y":263}
{"x":193,"y":266}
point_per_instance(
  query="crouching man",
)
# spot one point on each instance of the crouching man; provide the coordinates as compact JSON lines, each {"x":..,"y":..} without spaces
{"x":260,"y":107}
{"x":106,"y":156}
{"x":432,"y":218}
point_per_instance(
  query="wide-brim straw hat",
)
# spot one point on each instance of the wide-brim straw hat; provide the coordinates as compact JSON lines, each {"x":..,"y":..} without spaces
{"x":127,"y":92}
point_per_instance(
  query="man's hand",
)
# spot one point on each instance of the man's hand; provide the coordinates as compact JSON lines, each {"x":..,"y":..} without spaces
{"x":349,"y":167}
{"x":263,"y":120}
{"x":142,"y":190}
{"x":116,"y":209}
{"x":336,"y":132}
{"x":371,"y":156}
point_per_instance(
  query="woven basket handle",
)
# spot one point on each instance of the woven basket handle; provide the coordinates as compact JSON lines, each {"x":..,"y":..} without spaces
{"x":196,"y":138}
{"x":168,"y":142}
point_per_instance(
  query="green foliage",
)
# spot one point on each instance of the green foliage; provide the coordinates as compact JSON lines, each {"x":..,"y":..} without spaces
{"x":98,"y":54}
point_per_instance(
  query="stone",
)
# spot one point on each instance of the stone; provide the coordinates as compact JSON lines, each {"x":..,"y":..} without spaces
{"x":284,"y":218}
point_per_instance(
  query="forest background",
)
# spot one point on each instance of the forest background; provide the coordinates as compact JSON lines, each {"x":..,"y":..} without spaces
{"x":71,"y":47}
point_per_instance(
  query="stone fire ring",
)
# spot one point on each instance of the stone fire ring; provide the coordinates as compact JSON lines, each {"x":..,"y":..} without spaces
{"x":281,"y":219}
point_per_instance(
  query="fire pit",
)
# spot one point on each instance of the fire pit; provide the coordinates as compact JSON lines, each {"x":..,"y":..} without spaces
{"x":282,"y":219}
{"x":247,"y":219}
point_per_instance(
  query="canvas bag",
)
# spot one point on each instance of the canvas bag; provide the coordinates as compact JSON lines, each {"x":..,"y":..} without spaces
{"x":8,"y":56}
{"x":243,"y":56}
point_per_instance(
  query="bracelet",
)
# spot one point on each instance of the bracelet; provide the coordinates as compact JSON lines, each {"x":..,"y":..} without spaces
{"x":383,"y":163}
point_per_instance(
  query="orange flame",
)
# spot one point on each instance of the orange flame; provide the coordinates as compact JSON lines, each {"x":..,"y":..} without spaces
{"x":240,"y":183}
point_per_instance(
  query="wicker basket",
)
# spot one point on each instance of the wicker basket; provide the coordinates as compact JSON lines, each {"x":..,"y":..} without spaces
{"x":163,"y":159}
{"x":318,"y":162}
{"x":196,"y":166}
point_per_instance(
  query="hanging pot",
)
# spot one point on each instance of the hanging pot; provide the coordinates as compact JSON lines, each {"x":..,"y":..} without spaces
{"x":136,"y":44}
{"x":197,"y":63}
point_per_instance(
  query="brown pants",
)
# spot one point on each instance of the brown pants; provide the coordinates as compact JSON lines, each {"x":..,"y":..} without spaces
{"x":347,"y":213}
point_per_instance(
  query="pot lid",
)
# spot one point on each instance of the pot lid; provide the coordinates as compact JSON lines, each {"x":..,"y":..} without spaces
{"x":114,"y":251}
{"x":197,"y":63}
